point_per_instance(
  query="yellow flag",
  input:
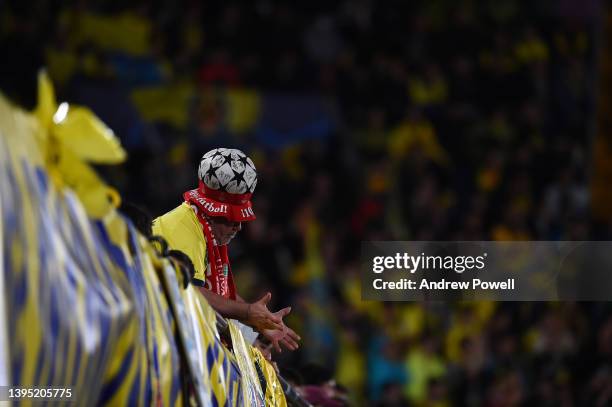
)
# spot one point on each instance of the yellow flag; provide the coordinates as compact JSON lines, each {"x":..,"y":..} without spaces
{"x":273,"y":392}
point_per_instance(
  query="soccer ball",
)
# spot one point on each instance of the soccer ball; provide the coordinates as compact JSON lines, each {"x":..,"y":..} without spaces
{"x":229,"y":170}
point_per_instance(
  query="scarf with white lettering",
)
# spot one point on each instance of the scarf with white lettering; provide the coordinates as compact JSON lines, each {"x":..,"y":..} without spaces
{"x":219,"y":277}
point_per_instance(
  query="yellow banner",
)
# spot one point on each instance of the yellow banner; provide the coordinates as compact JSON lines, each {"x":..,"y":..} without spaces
{"x":273,"y":392}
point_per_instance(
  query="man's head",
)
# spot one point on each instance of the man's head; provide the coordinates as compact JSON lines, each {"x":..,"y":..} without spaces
{"x":223,"y":229}
{"x":227,"y":181}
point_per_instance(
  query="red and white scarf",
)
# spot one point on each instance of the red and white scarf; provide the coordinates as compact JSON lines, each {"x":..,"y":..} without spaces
{"x":219,"y":277}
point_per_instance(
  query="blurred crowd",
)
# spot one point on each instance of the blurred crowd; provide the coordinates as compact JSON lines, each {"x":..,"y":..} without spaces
{"x":447,"y":121}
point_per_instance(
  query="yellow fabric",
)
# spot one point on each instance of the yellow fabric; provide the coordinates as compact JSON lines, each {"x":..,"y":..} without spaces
{"x":416,"y":134}
{"x":88,"y":137}
{"x":243,"y":109}
{"x":463,"y":327}
{"x":62,"y":269}
{"x":312,"y":248}
{"x":411,"y":321}
{"x":423,"y":93}
{"x":182,"y":230}
{"x":484,"y":310}
{"x":274,"y":391}
{"x":422,"y":367}
{"x":251,"y":389}
{"x":213,"y":360}
{"x":67,"y":139}
{"x":165,"y":103}
{"x":125,"y":32}
{"x":351,"y":365}
{"x":351,"y":290}
{"x":531,"y":50}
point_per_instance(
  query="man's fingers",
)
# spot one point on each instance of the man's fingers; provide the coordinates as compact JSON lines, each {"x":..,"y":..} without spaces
{"x":283,"y":312}
{"x":276,"y":346}
{"x":291,"y":333}
{"x":265,"y":299}
{"x":270,"y":323}
{"x":276,"y":319}
{"x":289,"y":343}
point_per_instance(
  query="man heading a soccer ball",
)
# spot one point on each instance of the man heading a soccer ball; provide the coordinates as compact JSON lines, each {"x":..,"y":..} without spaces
{"x":202,"y":227}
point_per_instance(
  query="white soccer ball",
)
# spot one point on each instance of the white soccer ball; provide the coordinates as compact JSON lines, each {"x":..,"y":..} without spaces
{"x":229,"y":170}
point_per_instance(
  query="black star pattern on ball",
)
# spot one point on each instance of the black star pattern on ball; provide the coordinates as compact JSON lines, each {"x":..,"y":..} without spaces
{"x":238,"y":177}
{"x":208,"y":154}
{"x":212,"y":157}
{"x":221,"y":186}
{"x":243,"y":159}
{"x":211,"y":174}
{"x":228,"y":159}
{"x":211,"y":171}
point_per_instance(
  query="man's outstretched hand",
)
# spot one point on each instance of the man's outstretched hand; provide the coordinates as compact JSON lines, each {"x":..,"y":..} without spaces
{"x":284,"y":336}
{"x":259,"y":317}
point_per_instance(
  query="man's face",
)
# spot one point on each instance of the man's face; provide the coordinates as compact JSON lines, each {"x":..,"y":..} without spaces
{"x":224,"y":230}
